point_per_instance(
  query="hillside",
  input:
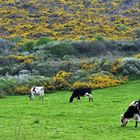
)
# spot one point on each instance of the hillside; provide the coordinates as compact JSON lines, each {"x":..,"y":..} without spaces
{"x":63,"y":44}
{"x":69,"y":19}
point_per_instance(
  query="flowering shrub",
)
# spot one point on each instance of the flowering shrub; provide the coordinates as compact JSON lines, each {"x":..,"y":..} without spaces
{"x":115,"y":66}
{"x":23,"y":59}
{"x":100,"y":81}
{"x":86,"y":66}
{"x":103,"y":81}
{"x":21,"y":90}
{"x":137,"y":56}
{"x":81,"y":85}
{"x":61,"y":79}
{"x":48,"y":85}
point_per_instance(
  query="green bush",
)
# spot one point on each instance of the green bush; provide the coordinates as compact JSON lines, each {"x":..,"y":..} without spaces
{"x":137,"y":32}
{"x":61,"y":49}
{"x":43,"y":40}
{"x":131,"y":67}
{"x":122,"y":27}
{"x":98,"y":37}
{"x":28,"y":46}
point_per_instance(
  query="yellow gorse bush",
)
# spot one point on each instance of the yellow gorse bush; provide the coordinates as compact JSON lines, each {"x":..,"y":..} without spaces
{"x":60,"y":79}
{"x":21,"y":90}
{"x":137,"y":56}
{"x":48,"y":85}
{"x":87,"y":66}
{"x":115,"y":66}
{"x":100,"y":81}
{"x":23,"y":59}
{"x":81,"y":85}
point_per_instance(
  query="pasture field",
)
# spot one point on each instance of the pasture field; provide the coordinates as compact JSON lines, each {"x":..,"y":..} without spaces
{"x":56,"y":118}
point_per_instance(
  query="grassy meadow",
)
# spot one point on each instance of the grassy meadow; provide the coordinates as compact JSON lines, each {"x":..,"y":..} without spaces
{"x":50,"y":43}
{"x":55,"y":118}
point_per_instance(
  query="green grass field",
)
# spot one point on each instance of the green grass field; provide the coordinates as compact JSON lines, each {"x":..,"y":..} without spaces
{"x":55,"y":118}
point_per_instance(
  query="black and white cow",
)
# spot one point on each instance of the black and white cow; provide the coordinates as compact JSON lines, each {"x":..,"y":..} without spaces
{"x":37,"y":91}
{"x":81,"y":92}
{"x":133,"y":112}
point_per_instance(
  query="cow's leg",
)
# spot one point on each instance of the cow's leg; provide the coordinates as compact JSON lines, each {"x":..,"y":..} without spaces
{"x":32,"y":97}
{"x":89,"y":99}
{"x":39,"y":97}
{"x":42,"y":97}
{"x":124,"y":124}
{"x":136,"y":124}
{"x":78,"y":98}
{"x":136,"y":118}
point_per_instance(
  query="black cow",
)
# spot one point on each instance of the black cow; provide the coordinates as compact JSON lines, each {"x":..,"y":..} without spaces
{"x":81,"y":92}
{"x":133,"y":111}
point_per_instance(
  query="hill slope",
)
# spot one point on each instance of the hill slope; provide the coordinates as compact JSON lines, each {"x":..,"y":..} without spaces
{"x":69,"y":19}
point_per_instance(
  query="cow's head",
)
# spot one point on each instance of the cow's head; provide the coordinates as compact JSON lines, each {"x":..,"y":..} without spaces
{"x":31,"y":96}
{"x":71,"y":99}
{"x":124,"y":121}
{"x":90,"y":96}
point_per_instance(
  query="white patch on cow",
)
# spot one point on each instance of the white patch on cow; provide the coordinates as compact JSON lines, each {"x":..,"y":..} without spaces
{"x":137,"y":117}
{"x":37,"y":91}
{"x":89,"y":95}
{"x":125,"y":120}
{"x":86,"y":94}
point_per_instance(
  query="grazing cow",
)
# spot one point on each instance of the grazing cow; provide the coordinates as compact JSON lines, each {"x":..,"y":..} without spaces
{"x":37,"y":91}
{"x":133,"y":111}
{"x":81,"y":92}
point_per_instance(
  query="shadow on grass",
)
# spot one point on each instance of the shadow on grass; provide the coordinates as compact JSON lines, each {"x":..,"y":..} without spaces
{"x":130,"y":128}
{"x":51,"y":91}
{"x":2,"y":97}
